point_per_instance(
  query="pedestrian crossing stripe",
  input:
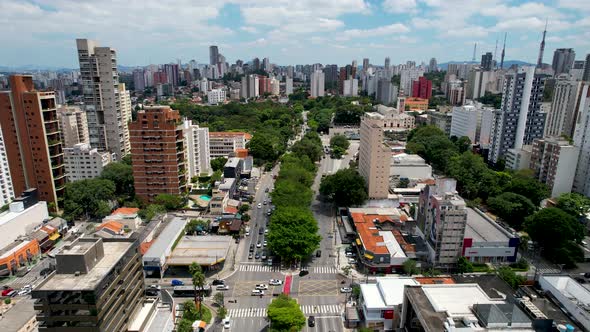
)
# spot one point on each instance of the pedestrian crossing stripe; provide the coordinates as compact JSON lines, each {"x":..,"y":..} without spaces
{"x":324,"y":269}
{"x":247,"y":312}
{"x":266,"y":268}
{"x":328,"y":309}
{"x":321,"y":309}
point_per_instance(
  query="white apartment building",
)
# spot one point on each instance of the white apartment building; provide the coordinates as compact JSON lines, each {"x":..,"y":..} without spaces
{"x":582,"y":141}
{"x":407,"y":77}
{"x":73,"y":125}
{"x":288,"y":85}
{"x":223,"y":144}
{"x":350,"y":87}
{"x":83,"y":162}
{"x":107,"y":121}
{"x":125,"y":104}
{"x":473,"y":121}
{"x":561,"y":116}
{"x":317,"y":84}
{"x":554,"y":162}
{"x":197,"y":148}
{"x":275,"y":87}
{"x":216,"y":96}
{"x":204,"y":85}
{"x":6,"y":189}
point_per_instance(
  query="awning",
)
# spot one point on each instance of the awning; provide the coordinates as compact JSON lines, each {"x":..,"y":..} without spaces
{"x":54,"y":237}
{"x":369,"y":256}
{"x":358,"y":242}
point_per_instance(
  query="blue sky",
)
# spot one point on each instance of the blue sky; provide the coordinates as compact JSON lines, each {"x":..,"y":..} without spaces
{"x":43,"y":32}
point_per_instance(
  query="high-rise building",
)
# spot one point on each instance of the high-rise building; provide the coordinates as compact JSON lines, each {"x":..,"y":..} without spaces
{"x":6,"y":189}
{"x":250,"y":86}
{"x":563,"y":60}
{"x":586,"y":75}
{"x":374,"y":157}
{"x":331,"y":73}
{"x":275,"y":87}
{"x":100,"y":81}
{"x":365,"y":64}
{"x":97,"y":286}
{"x":432,"y":65}
{"x":83,"y":162}
{"x":266,"y":64}
{"x":422,"y":88}
{"x":520,"y":119}
{"x":158,"y":153}
{"x":226,"y":144}
{"x":442,"y":217}
{"x":478,"y":82}
{"x":553,"y":161}
{"x":172,"y":74}
{"x":350,"y":87}
{"x":407,"y":78}
{"x":288,"y":85}
{"x":387,"y":62}
{"x":386,"y":92}
{"x":561,"y":117}
{"x":213,"y":55}
{"x":487,"y":61}
{"x":317,"y":84}
{"x":125,"y":105}
{"x":473,"y":121}
{"x":256,"y":64}
{"x":263,"y":85}
{"x":32,"y":139}
{"x":582,"y":141}
{"x":139,"y":82}
{"x":197,"y":149}
{"x":73,"y":125}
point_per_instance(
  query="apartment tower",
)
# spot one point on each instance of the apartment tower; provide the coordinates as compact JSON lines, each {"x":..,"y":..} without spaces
{"x":73,"y":125}
{"x":374,"y":156}
{"x":32,"y":139}
{"x":107,"y":126}
{"x":158,"y":153}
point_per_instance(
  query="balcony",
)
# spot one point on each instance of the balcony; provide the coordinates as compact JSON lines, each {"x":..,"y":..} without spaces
{"x":51,"y":128}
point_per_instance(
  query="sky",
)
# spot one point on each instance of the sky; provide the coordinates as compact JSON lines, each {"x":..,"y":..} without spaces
{"x":43,"y":32}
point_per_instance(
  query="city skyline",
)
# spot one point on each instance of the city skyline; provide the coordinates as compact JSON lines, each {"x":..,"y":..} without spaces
{"x":290,"y":32}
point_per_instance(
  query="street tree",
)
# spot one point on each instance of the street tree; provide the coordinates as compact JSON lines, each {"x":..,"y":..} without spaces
{"x":525,"y":184}
{"x":88,"y":198}
{"x":345,"y":188}
{"x":410,"y":267}
{"x":285,"y":314}
{"x":198,"y":279}
{"x":340,"y":141}
{"x":307,"y":147}
{"x":218,"y":163}
{"x":244,"y":208}
{"x":512,"y":208}
{"x":463,"y":144}
{"x":464,"y":265}
{"x":169,"y":201}
{"x":293,"y":233}
{"x":151,"y":211}
{"x":574,"y":204}
{"x":121,"y":174}
{"x":219,"y":299}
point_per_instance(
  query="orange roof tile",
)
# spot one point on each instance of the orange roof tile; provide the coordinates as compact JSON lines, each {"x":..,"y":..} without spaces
{"x":435,"y":280}
{"x":369,"y":234}
{"x":125,"y":210}
{"x":143,"y":248}
{"x":231,"y":209}
{"x":229,"y":134}
{"x":114,"y":226}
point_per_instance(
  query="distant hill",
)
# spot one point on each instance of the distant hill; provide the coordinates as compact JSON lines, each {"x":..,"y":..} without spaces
{"x":507,"y":63}
{"x":35,"y":68}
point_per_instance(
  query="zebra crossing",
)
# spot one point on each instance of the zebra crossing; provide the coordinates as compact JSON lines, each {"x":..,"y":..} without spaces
{"x":324,"y":269}
{"x":247,"y":312}
{"x":266,"y":268}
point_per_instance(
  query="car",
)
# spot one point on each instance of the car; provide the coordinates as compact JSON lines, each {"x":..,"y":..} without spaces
{"x":264,"y":244}
{"x":275,"y":282}
{"x":7,"y":290}
{"x":266,"y":231}
{"x":261,"y":231}
{"x":155,"y":287}
{"x":247,"y":233}
{"x":269,"y":261}
{"x":261,"y":287}
{"x":263,"y":256}
{"x":258,"y":245}
{"x":259,"y":206}
{"x":303,"y":273}
{"x":12,"y":293}
{"x":266,"y":190}
{"x":318,"y":253}
{"x":151,"y":292}
{"x":24,"y":291}
{"x":226,"y":323}
{"x":311,"y":321}
{"x":270,"y":201}
{"x":350,"y":254}
{"x":250,"y":256}
{"x":222,"y":287}
{"x":268,"y":213}
{"x":257,"y":256}
{"x":264,"y":202}
{"x":345,"y":290}
{"x":176,"y":282}
{"x":349,"y":249}
{"x":252,"y":248}
{"x":351,"y":261}
{"x":217,"y":282}
{"x":257,"y":292}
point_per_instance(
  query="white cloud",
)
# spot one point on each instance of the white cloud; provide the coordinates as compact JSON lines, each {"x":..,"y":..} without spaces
{"x":399,"y":6}
{"x":249,"y":29}
{"x":468,"y":31}
{"x":375,"y":32}
{"x":530,"y":9}
{"x":575,"y":4}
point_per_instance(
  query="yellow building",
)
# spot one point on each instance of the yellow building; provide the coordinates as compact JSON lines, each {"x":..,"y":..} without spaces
{"x":416,"y":104}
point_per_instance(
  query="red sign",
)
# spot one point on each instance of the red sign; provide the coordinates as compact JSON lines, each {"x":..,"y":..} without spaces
{"x":387,"y":314}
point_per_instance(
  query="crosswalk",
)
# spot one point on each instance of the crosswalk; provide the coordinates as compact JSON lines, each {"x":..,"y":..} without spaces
{"x":324,"y":269}
{"x":266,"y":268}
{"x":325,"y":309}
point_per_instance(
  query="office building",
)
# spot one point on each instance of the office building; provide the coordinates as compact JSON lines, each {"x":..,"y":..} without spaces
{"x":73,"y":125}
{"x":139,"y":80}
{"x":225,"y":144}
{"x":442,"y":218}
{"x":107,"y":127}
{"x":6,"y":189}
{"x":266,"y":64}
{"x":317,"y":84}
{"x":350,"y":87}
{"x":288,"y":85}
{"x":455,"y":92}
{"x":386,"y":92}
{"x":473,"y":121}
{"x":158,"y":153}
{"x":487,"y":63}
{"x":422,"y":88}
{"x":83,"y":162}
{"x":250,"y":86}
{"x":563,"y":60}
{"x":582,"y":141}
{"x":520,"y":119}
{"x":562,"y":114}
{"x":374,"y":156}
{"x":442,"y":119}
{"x":213,"y":55}
{"x":32,"y":139}
{"x":275,"y":87}
{"x":387,"y":63}
{"x":97,"y":286}
{"x":215,"y":96}
{"x":407,"y":78}
{"x":331,"y":73}
{"x":365,"y":64}
{"x":197,"y":149}
{"x":586,"y":74}
{"x":554,"y":161}
{"x":478,"y":82}
{"x":432,"y":65}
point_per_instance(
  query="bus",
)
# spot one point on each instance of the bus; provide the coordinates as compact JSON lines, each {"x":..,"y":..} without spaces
{"x":189,"y":291}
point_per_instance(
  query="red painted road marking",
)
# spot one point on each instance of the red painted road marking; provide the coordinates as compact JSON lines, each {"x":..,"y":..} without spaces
{"x":287,"y":286}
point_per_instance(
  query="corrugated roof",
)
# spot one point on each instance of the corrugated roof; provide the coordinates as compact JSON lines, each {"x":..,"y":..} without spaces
{"x":166,"y":238}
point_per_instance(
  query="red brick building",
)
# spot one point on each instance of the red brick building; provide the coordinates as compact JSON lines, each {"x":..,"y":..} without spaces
{"x":32,"y":137}
{"x":422,"y":88}
{"x":158,"y":153}
{"x":263,"y":85}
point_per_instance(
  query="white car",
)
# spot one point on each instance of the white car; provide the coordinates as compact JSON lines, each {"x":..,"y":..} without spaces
{"x":247,"y":233}
{"x":24,"y":291}
{"x":266,"y":231}
{"x":222,"y":287}
{"x":350,"y":254}
{"x":226,"y":323}
{"x":345,"y":290}
{"x":351,"y":261}
{"x":261,"y":287}
{"x":264,"y":243}
{"x":258,"y":245}
{"x":257,"y":292}
{"x":275,"y":282}
{"x":259,"y":206}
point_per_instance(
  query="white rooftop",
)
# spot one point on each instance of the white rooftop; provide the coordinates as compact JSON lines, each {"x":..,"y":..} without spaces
{"x":386,"y":292}
{"x":395,"y":250}
{"x":445,"y":298}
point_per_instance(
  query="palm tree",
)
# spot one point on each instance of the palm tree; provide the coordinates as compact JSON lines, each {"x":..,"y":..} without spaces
{"x":198,"y":281}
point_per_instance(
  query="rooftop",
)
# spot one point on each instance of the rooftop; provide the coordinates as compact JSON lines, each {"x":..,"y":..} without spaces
{"x":407,"y":159}
{"x":166,"y":238}
{"x":204,"y":250}
{"x":17,"y":316}
{"x":232,"y":162}
{"x":229,"y":134}
{"x":125,"y":210}
{"x":481,"y":228}
{"x":387,"y":292}
{"x":113,"y":252}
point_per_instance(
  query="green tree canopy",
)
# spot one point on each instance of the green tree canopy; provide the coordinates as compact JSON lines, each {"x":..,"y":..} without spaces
{"x":340,"y":141}
{"x":150,"y":211}
{"x":345,"y":188}
{"x":121,"y":174}
{"x":293,"y":233}
{"x":290,"y":193}
{"x":218,"y":163}
{"x":525,"y":184}
{"x":285,"y":314}
{"x":464,"y":265}
{"x":512,"y":208}
{"x":574,"y":204}
{"x":410,"y":267}
{"x":170,"y":202}
{"x":310,"y":145}
{"x":433,"y":145}
{"x":88,"y":198}
{"x":557,"y":232}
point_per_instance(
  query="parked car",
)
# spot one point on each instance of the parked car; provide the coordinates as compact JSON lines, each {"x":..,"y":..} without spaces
{"x":350,"y":254}
{"x":303,"y":273}
{"x":345,"y":290}
{"x":311,"y":321}
{"x":351,"y":261}
{"x":257,"y":292}
{"x":176,"y":282}
{"x":258,"y":245}
{"x":264,"y":202}
{"x":155,"y":287}
{"x":260,"y":230}
{"x":266,"y":190}
{"x":259,"y":206}
{"x":250,"y":256}
{"x":252,"y":248}
{"x":264,"y":244}
{"x":24,"y":291}
{"x":217,"y":282}
{"x":318,"y":253}
{"x":261,"y":287}
{"x":275,"y":282}
{"x":222,"y":287}
{"x":7,"y":290}
{"x":226,"y":323}
{"x":247,"y":233}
